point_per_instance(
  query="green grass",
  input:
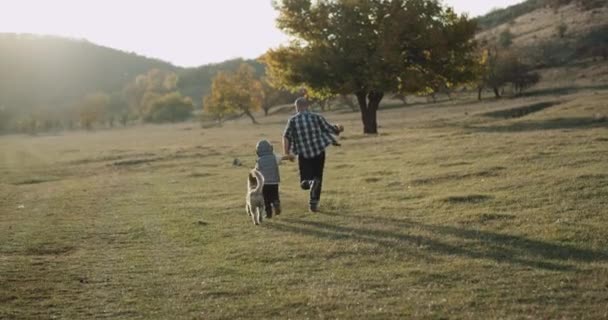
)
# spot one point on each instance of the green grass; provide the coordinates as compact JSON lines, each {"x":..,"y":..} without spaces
{"x":448,"y":213}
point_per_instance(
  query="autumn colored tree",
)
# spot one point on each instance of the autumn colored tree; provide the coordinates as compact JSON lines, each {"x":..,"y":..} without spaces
{"x":171,"y":107}
{"x":146,"y":88}
{"x":236,"y":92}
{"x":367,"y":48}
{"x":272,"y":96}
{"x":92,"y":109}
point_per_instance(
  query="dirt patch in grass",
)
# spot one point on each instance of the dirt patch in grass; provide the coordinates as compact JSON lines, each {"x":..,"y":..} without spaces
{"x":454,"y":164}
{"x":486,"y":217}
{"x":490,"y":172}
{"x":48,"y":250}
{"x":465,"y":199}
{"x":35,"y":180}
{"x":114,"y":157}
{"x":343,"y":166}
{"x":199,"y":175}
{"x":132,"y":162}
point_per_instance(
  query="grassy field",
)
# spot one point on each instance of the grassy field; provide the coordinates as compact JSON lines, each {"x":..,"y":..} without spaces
{"x":457,"y":210}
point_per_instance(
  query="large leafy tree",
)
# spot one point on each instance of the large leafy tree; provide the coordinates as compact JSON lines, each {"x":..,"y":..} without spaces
{"x":145,"y":89}
{"x":236,"y":92}
{"x":272,"y":96}
{"x":367,"y":48}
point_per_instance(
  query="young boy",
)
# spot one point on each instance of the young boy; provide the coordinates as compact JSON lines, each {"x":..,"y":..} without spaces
{"x":268,"y":164}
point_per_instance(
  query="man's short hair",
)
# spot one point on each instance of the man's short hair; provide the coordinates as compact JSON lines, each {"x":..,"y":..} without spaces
{"x":301,"y":102}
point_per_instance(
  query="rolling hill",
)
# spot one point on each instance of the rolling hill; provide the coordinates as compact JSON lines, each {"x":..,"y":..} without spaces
{"x":45,"y":71}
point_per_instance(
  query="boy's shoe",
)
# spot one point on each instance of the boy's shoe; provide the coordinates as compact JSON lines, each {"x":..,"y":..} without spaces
{"x":313,"y":208}
{"x":277,"y":208}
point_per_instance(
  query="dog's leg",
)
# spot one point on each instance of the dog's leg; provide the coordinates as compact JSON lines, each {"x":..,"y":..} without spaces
{"x":259,"y":214}
{"x":262,"y":213}
{"x":250,"y":212}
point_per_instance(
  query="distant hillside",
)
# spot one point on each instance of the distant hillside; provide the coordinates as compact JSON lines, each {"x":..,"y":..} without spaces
{"x":509,"y":14}
{"x":196,"y":82}
{"x":44,"y":71}
{"x":530,"y":22}
{"x":549,"y":33}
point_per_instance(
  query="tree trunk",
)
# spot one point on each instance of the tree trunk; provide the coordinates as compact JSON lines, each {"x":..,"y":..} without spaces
{"x":479,"y":90}
{"x":496,"y":92}
{"x":368,"y":104}
{"x":248,"y":113}
{"x":266,"y":109}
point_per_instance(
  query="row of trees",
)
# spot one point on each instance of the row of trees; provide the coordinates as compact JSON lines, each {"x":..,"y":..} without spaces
{"x":149,"y":97}
{"x":366,"y":49}
{"x":339,"y":48}
{"x":241,"y":93}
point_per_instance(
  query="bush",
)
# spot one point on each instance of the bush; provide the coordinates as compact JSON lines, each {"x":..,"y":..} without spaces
{"x":594,"y":43}
{"x":505,"y":38}
{"x":171,"y":107}
{"x":561,"y":30}
{"x":550,"y":54}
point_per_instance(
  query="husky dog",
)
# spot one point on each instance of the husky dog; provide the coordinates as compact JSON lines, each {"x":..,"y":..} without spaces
{"x":255,"y":199}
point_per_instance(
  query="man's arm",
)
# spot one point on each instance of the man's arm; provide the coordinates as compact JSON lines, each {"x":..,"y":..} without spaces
{"x":286,"y":154}
{"x":332,"y":129}
{"x":286,"y":145}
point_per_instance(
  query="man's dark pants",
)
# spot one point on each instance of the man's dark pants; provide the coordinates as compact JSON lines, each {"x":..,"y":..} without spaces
{"x":312,"y":169}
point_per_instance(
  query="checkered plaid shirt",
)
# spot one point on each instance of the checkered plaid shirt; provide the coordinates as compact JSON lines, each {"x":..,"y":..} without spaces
{"x":309,"y":134}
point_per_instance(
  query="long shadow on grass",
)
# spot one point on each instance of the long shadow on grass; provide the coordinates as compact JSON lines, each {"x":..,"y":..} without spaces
{"x":551,"y":124}
{"x":502,"y":248}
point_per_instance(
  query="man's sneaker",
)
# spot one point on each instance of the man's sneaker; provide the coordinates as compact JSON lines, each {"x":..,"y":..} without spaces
{"x":313,"y":208}
{"x":277,"y":208}
{"x":305,"y":185}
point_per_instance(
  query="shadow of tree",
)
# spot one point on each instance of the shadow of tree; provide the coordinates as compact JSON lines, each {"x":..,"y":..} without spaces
{"x":551,"y":124}
{"x":476,"y":244}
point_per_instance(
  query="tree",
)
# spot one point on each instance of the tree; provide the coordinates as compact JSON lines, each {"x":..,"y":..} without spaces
{"x":272,"y":96}
{"x":171,"y":107}
{"x":92,"y":109}
{"x":500,"y":68}
{"x":367,"y":48}
{"x":561,"y":30}
{"x":505,"y":38}
{"x":146,"y":88}
{"x":235,"y":92}
{"x":489,"y":72}
{"x":513,"y":70}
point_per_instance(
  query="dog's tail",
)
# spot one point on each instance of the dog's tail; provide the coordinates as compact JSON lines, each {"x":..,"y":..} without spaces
{"x":259,"y":180}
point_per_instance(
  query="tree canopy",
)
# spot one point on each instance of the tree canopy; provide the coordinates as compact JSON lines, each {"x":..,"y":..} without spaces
{"x":235,"y":92}
{"x":369,"y":48}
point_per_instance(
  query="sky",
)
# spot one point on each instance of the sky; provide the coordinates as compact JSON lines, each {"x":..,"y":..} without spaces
{"x":186,"y":33}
